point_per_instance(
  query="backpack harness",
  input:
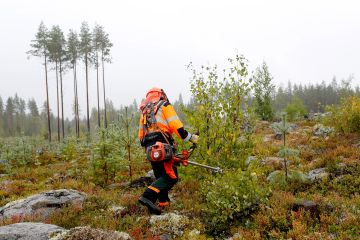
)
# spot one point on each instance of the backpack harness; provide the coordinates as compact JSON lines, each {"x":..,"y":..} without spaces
{"x":159,"y":151}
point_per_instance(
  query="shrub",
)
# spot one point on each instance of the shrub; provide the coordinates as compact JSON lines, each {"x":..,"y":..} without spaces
{"x":346,"y":117}
{"x":296,"y":109}
{"x":220,"y":112}
{"x":230,"y":197}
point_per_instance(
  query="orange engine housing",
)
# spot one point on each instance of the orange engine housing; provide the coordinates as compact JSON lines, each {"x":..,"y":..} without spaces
{"x":159,"y":152}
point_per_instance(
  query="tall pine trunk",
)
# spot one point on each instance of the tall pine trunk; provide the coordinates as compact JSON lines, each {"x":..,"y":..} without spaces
{"x":77,"y":105}
{"x":75,"y":102}
{"x":47,"y":99}
{"x":57,"y":94}
{"x":97,"y":82}
{"x":87,"y":96}
{"x":103,"y":78}
{"x":62,"y":103}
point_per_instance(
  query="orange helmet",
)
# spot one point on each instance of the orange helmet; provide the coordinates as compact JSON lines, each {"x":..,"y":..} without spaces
{"x":156,"y":94}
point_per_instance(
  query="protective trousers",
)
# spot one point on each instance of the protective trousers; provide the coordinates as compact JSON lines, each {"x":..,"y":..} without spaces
{"x":159,"y":189}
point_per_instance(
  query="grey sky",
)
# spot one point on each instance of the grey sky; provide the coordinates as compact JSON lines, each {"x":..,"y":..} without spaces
{"x":302,"y":41}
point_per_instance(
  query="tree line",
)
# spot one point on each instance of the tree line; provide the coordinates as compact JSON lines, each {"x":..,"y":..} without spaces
{"x":62,"y":54}
{"x":296,"y":99}
{"x":20,"y":117}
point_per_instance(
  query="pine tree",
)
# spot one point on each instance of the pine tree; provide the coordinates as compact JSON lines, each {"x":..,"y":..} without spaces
{"x":98,"y":33}
{"x":40,"y":49}
{"x":73,"y":46}
{"x":56,"y":49}
{"x":105,"y":57}
{"x":85,"y":51}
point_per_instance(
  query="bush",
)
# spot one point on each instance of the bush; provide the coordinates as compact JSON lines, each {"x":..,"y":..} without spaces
{"x":230,"y":197}
{"x":346,"y":117}
{"x":221,"y":113}
{"x":296,"y":109}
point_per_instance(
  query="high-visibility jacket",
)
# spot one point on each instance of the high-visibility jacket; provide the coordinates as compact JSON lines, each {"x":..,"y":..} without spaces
{"x":167,"y":121}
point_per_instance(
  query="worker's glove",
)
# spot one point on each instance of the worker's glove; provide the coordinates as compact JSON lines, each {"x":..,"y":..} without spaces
{"x":184,"y":163}
{"x":194,"y":138}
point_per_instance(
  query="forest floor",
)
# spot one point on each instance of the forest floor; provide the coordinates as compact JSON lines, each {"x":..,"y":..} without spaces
{"x":326,"y":207}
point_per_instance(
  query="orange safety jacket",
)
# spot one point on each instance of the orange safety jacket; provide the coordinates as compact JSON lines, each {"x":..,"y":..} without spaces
{"x":167,"y":121}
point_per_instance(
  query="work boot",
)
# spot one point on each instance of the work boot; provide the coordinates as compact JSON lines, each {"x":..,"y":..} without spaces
{"x":153,"y":209}
{"x":163,"y":205}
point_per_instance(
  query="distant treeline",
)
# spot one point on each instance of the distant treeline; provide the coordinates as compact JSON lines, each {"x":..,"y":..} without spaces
{"x":314,"y":96}
{"x":20,"y":117}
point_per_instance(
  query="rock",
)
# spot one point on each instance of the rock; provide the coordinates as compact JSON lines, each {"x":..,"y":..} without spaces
{"x":4,"y":161}
{"x":277,"y":126}
{"x":165,"y":237}
{"x":250,"y":159}
{"x":150,"y":174}
{"x":116,"y":210}
{"x":41,"y":204}
{"x":275,"y":162}
{"x":82,"y":233}
{"x":28,"y":231}
{"x":268,"y":137}
{"x":236,"y":236}
{"x":320,"y":130}
{"x":141,"y":182}
{"x":170,"y":223}
{"x":310,"y":206}
{"x":3,"y":175}
{"x":317,"y":174}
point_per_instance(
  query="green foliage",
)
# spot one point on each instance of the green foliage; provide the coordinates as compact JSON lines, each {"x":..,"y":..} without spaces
{"x":108,"y":155}
{"x":294,"y":181}
{"x":263,"y":91}
{"x":296,"y":109}
{"x":230,"y":197}
{"x":346,"y":117}
{"x":220,"y":112}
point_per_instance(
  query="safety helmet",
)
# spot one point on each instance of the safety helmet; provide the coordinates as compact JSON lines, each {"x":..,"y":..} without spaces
{"x":156,"y":93}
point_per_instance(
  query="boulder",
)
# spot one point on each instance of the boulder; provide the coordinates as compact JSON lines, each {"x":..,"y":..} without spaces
{"x":81,"y":233}
{"x":169,"y":223}
{"x":28,"y":231}
{"x":42,"y":204}
{"x":317,"y":174}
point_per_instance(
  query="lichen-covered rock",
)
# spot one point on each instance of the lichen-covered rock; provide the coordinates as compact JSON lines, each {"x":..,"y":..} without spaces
{"x":151,"y":174}
{"x":28,"y":231}
{"x":42,"y":204}
{"x":82,"y":233}
{"x":317,"y":174}
{"x":170,"y":223}
{"x":320,"y":130}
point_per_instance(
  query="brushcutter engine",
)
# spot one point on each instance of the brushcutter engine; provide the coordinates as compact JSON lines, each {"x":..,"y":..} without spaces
{"x":159,"y":152}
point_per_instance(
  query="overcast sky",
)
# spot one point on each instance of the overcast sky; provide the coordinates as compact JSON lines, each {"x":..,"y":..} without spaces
{"x":302,"y":41}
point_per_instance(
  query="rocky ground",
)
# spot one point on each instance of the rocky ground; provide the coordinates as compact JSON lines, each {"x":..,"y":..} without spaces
{"x":323,"y":202}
